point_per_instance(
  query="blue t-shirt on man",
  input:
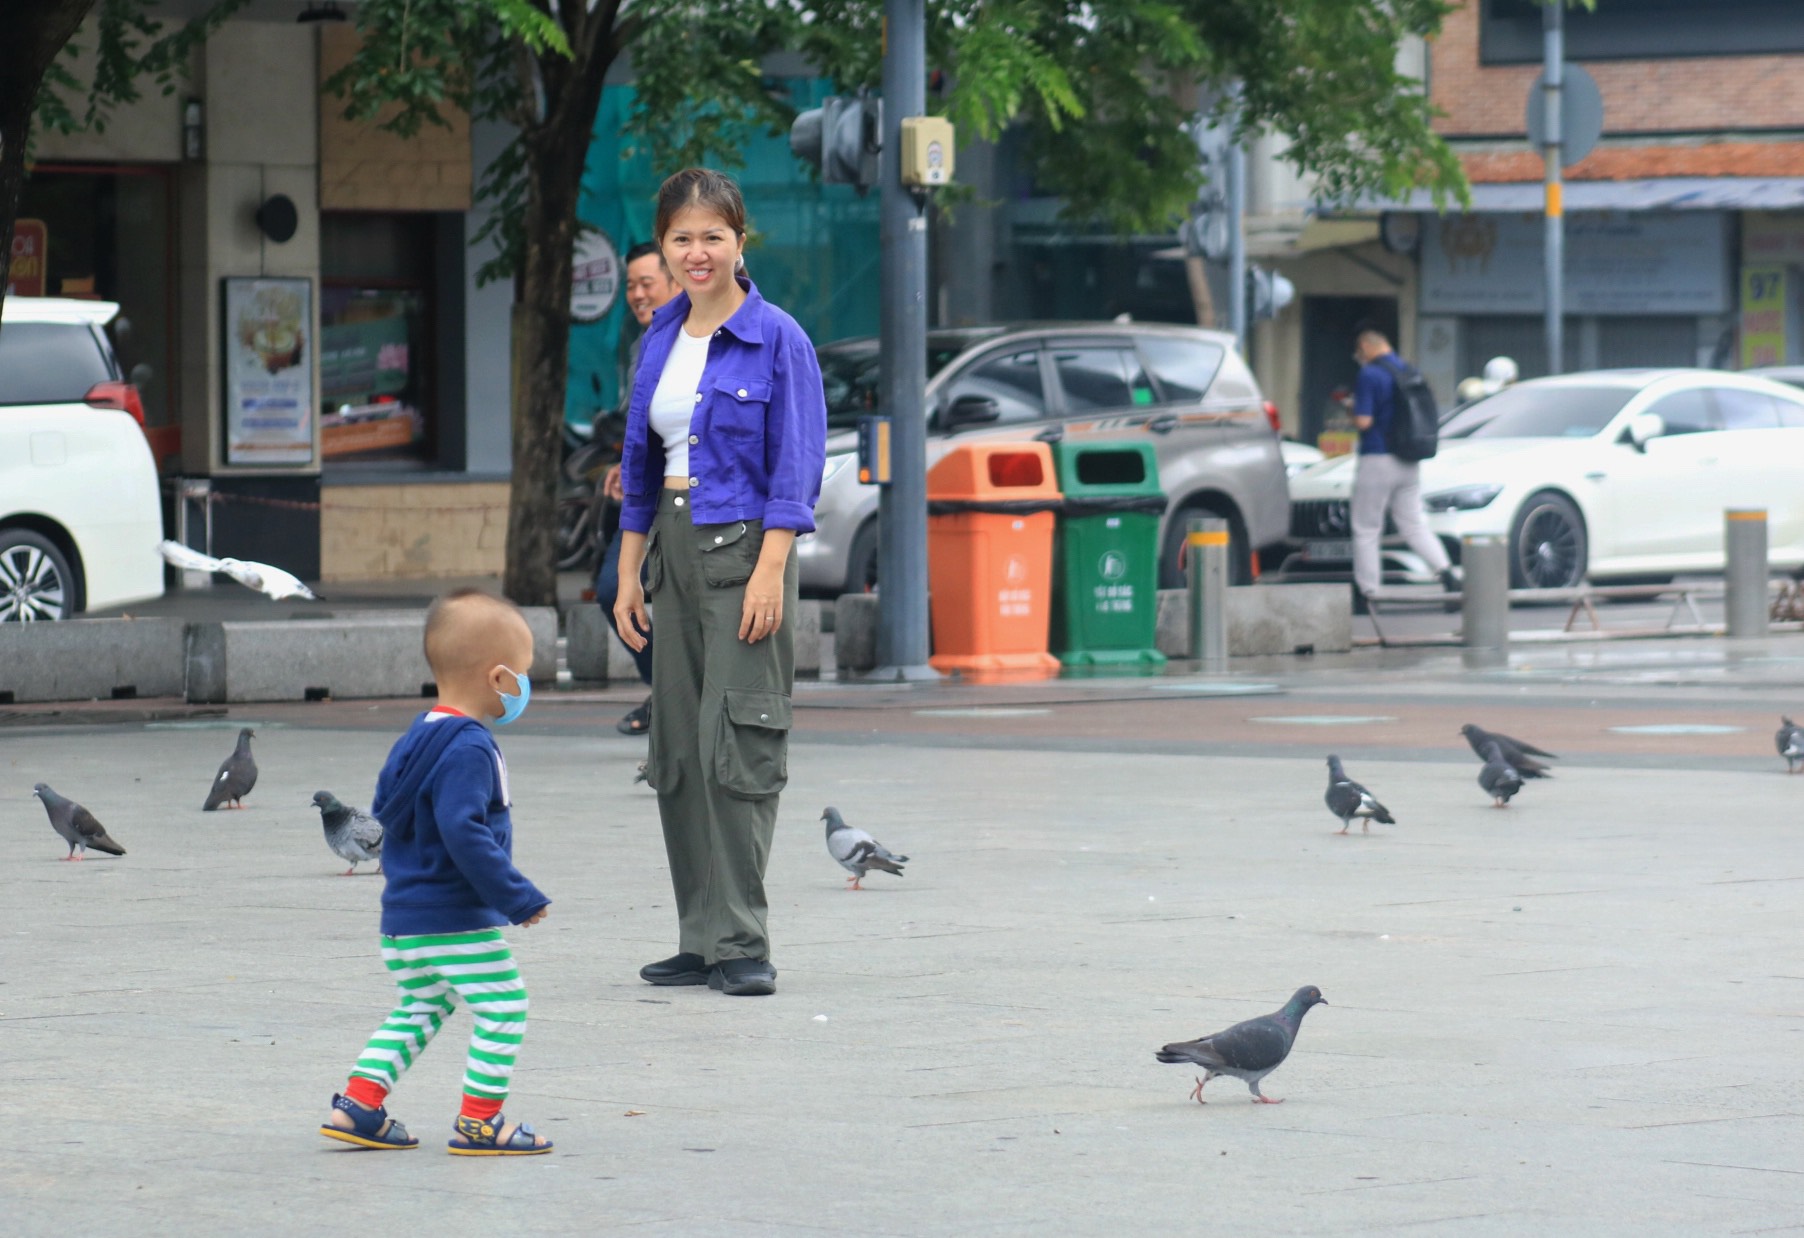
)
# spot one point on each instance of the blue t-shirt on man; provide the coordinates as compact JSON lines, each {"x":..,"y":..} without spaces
{"x":1375,"y":396}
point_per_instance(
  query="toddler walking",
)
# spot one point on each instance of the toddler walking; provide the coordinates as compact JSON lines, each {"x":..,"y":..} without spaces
{"x":447,"y":847}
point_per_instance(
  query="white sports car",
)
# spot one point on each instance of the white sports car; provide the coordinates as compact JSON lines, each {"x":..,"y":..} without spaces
{"x":1611,"y":474}
{"x":80,"y":511}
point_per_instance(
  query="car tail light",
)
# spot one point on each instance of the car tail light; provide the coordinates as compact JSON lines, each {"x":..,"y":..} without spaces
{"x":122,"y":396}
{"x":1271,"y":416}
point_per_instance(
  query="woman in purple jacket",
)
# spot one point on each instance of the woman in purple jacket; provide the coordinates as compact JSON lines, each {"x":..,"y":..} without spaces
{"x":725,"y":443}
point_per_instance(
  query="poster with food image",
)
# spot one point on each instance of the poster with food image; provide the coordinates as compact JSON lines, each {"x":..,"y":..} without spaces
{"x":269,"y":371}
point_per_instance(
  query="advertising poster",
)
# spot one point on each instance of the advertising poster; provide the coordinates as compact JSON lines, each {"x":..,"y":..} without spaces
{"x":269,"y":371}
{"x":30,"y":259}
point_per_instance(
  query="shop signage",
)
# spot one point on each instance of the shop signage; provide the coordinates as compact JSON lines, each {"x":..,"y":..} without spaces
{"x":268,"y":371}
{"x":594,"y":277}
{"x":25,"y":273}
{"x":1619,"y":262}
{"x":1763,"y":316}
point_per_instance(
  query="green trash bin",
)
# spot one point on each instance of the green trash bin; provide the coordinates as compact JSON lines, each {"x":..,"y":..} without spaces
{"x":1105,"y":589}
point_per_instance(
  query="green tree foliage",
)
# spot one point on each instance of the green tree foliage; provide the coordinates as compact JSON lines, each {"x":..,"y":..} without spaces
{"x":1102,"y":88}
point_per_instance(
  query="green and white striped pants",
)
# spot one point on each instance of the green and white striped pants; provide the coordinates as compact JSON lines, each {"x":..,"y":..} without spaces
{"x":433,"y":973}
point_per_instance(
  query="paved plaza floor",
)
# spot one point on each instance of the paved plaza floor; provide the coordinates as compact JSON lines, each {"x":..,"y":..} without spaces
{"x":1583,"y":1015}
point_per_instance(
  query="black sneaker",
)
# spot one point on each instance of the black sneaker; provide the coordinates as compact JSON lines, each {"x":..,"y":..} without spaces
{"x":743,"y":978}
{"x":677,"y":969}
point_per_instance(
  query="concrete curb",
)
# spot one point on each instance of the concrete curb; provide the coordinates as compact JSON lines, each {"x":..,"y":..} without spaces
{"x":1262,"y":620}
{"x":91,"y":659}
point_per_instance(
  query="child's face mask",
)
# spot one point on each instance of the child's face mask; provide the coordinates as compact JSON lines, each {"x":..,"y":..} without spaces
{"x":513,"y":704}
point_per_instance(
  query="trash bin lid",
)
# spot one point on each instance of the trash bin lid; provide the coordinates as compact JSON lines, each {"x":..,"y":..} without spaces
{"x":1106,"y":469}
{"x":1010,"y":471}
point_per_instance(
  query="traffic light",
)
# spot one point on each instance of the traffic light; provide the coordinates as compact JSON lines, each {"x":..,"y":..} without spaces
{"x":1268,"y":292}
{"x":842,"y":138}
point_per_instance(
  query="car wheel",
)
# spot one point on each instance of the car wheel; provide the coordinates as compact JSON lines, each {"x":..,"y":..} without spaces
{"x":861,"y":562}
{"x":1547,"y":544}
{"x":36,"y":582}
{"x":1172,"y":571}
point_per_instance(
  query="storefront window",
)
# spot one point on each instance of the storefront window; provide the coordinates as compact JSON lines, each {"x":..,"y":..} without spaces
{"x":377,"y":398}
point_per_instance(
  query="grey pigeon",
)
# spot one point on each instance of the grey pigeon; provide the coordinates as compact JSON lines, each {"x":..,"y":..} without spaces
{"x":1790,"y":742}
{"x":1250,"y":1050}
{"x":640,"y":775}
{"x":1346,"y":799}
{"x":76,"y":825}
{"x":352,"y":833}
{"x":1520,"y":756}
{"x":237,"y":775}
{"x":1499,"y":779}
{"x":857,"y":852}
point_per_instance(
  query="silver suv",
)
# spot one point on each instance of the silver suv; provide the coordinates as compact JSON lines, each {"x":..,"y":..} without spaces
{"x":1184,"y":389}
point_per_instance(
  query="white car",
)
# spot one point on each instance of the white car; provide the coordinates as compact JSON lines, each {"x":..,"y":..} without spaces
{"x":1612,"y":474}
{"x":80,"y":510}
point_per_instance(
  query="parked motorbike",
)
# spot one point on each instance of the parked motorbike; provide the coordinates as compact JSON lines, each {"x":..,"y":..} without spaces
{"x":582,"y":508}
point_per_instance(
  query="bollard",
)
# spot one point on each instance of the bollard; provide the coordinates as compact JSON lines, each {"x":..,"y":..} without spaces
{"x":1485,"y":600}
{"x":1745,"y":572}
{"x":1207,"y":549}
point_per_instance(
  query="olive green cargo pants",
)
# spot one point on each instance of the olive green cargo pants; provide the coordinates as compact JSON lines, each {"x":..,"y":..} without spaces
{"x":719,"y":726}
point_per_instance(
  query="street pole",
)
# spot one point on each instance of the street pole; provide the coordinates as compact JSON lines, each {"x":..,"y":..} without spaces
{"x":1237,"y":243}
{"x":902,"y":647}
{"x":1553,"y":39}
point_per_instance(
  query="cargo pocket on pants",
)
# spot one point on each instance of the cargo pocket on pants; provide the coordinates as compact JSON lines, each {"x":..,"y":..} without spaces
{"x":729,"y":551}
{"x":652,"y":569}
{"x":751,"y":750}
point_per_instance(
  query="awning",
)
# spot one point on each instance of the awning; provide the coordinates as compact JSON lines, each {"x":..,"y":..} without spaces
{"x":1682,"y":193}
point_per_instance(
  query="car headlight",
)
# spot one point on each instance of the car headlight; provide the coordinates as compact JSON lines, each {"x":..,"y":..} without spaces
{"x":835,"y":464}
{"x":1464,"y":499}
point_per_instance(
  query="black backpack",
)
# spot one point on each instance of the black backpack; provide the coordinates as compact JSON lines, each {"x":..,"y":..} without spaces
{"x":1415,"y":430}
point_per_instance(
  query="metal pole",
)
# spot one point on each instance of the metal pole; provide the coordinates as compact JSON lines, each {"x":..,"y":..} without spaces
{"x":1206,"y":548}
{"x":1237,"y":243}
{"x":902,"y":514}
{"x":1745,"y":572}
{"x":1485,"y":600}
{"x":1553,"y":31}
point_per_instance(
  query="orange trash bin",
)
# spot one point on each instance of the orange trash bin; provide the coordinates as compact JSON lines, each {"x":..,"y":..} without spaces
{"x":989,"y":557}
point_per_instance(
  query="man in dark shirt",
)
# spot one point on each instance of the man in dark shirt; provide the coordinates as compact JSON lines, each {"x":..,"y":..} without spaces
{"x":1381,"y":481}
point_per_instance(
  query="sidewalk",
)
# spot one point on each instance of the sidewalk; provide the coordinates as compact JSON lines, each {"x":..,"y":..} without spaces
{"x":1579,"y":1016}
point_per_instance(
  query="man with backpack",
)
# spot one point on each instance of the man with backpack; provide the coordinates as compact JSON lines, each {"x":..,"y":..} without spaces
{"x":1397,"y":420}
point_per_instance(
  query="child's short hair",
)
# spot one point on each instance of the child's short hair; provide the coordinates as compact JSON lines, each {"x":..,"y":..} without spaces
{"x":451,"y":620}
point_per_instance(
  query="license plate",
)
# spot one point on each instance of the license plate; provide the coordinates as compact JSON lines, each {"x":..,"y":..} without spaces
{"x":1328,"y":550}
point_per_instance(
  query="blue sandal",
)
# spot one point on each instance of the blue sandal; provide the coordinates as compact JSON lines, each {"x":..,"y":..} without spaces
{"x":370,"y":1128}
{"x":481,"y":1137}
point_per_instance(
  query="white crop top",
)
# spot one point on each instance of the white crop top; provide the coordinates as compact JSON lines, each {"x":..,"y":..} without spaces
{"x":673,"y":402}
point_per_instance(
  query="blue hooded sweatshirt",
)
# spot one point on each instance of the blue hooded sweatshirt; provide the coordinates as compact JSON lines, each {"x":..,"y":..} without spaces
{"x":447,"y":836}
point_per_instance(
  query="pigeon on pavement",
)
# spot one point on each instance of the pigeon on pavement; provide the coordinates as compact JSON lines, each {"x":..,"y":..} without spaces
{"x":76,"y":824}
{"x":1498,"y":777}
{"x":856,"y":851}
{"x":1346,"y":799}
{"x":1790,"y":742}
{"x":352,"y":833}
{"x":237,"y":775}
{"x":640,"y":775}
{"x":1520,"y":756}
{"x":1250,"y":1050}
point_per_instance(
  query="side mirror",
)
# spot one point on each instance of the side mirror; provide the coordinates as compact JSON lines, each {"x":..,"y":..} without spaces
{"x":1645,"y":426}
{"x":972,"y":410}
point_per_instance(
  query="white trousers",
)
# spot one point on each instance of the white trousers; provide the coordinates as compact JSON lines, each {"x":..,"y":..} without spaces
{"x":1380,"y":484}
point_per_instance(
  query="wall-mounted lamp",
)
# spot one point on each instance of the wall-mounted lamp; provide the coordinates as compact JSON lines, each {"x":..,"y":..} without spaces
{"x":329,"y":11}
{"x":193,"y":130}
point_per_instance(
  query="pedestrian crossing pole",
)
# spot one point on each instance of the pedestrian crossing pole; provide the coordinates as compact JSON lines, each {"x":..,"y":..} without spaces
{"x":1553,"y":41}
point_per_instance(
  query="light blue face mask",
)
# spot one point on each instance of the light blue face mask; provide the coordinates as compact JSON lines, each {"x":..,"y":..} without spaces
{"x":514,"y":704}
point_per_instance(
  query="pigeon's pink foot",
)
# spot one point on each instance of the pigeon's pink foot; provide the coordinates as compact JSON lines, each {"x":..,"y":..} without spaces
{"x":349,"y":872}
{"x":68,"y":857}
{"x":854,"y":885}
{"x":1268,"y":1100}
{"x":1196,"y":1093}
{"x":1342,"y":830}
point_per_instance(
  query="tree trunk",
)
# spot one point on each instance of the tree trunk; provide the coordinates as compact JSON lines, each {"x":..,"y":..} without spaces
{"x":35,"y":32}
{"x":542,"y":358}
{"x":1201,"y":299}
